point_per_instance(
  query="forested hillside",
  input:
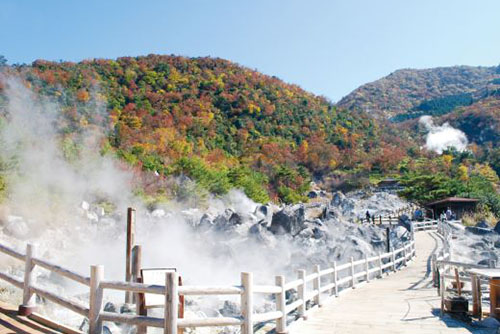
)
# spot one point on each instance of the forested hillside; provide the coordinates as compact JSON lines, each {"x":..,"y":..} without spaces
{"x":411,"y":93}
{"x":226,"y":126}
{"x":219,"y":123}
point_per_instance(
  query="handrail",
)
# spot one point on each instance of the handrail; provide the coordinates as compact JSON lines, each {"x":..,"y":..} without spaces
{"x":61,"y":271}
{"x":322,"y":281}
{"x":11,"y":252}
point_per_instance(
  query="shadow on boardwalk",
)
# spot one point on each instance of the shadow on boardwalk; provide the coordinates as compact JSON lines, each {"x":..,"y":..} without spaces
{"x":404,"y":302}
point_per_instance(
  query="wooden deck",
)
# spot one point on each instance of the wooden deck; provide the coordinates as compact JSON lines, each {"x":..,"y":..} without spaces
{"x":404,"y":302}
{"x":11,"y":323}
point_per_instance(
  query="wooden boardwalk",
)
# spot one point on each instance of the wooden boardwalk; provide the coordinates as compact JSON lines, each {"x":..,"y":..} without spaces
{"x":11,"y":323}
{"x":404,"y":302}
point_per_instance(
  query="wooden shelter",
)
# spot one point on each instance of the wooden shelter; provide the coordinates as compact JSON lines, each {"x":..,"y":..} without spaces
{"x":458,"y":205}
{"x":389,"y":184}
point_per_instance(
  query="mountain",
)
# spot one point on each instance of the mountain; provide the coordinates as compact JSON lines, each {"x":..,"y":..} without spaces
{"x":221,"y":124}
{"x":410,"y":93}
{"x":226,"y":126}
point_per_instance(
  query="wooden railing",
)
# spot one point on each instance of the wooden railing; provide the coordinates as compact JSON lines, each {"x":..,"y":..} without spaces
{"x":425,"y":225}
{"x":391,"y":218}
{"x":446,"y":271}
{"x":311,"y":290}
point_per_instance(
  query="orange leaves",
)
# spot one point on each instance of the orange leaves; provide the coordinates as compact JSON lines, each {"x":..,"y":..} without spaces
{"x":82,"y":95}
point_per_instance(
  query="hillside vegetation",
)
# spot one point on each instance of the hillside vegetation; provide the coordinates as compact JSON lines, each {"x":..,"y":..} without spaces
{"x":226,"y":126}
{"x":410,"y":93}
{"x":466,"y":97}
{"x":221,"y":124}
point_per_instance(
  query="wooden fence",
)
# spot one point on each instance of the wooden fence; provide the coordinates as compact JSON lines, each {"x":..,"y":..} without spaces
{"x":311,"y":289}
{"x":446,"y":271}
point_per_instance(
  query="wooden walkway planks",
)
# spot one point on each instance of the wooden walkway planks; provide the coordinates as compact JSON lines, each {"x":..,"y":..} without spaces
{"x":11,"y":323}
{"x":404,"y":302}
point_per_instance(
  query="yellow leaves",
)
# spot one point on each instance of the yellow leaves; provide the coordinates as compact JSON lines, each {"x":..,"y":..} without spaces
{"x":181,"y":146}
{"x":288,"y":93}
{"x":201,"y":145}
{"x":487,"y":172}
{"x":463,"y":173}
{"x":177,"y":78}
{"x":332,"y":164}
{"x":83,"y":122}
{"x":130,"y":75}
{"x":220,"y":81}
{"x":164,"y":136}
{"x":340,"y":129}
{"x":252,"y":108}
{"x":447,"y":160}
{"x":133,"y":122}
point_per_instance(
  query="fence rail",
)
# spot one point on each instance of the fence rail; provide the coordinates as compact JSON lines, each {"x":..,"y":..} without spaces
{"x":445,"y":270}
{"x":311,"y":290}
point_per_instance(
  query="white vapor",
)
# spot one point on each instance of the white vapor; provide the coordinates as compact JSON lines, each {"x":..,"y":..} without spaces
{"x":442,"y":137}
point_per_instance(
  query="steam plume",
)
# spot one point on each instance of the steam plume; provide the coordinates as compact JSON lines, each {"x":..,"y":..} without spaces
{"x":442,"y":137}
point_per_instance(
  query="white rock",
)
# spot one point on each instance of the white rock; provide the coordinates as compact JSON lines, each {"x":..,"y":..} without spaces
{"x":158,"y":213}
{"x":16,"y":227}
{"x":85,"y":206}
{"x":92,"y":216}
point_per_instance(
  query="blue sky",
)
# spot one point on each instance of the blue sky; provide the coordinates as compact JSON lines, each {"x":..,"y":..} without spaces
{"x":327,"y":47}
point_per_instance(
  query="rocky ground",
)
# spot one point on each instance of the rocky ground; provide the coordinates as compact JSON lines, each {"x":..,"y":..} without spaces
{"x":212,"y":245}
{"x":479,"y":244}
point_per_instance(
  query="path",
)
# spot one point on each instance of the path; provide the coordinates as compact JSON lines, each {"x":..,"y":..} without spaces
{"x":403,"y":302}
{"x":11,"y":323}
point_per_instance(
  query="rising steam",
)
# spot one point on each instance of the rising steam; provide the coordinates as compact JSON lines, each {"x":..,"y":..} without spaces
{"x":443,"y":137}
{"x":55,"y":203}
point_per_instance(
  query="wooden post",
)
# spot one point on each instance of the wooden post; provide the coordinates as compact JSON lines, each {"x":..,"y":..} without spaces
{"x":138,"y":298}
{"x":181,"y":308}
{"x":335,"y":279}
{"x":380,"y":219}
{"x":381,"y":271}
{"x":367,"y":268}
{"x":475,"y":304}
{"x":136,"y":268}
{"x":458,"y":283}
{"x":301,"y":289}
{"x":442,"y":292}
{"x":438,"y":277}
{"x":28,"y":305}
{"x":95,"y":299}
{"x":317,"y":285}
{"x":171,"y":303}
{"x":494,"y":297}
{"x":353,"y":281}
{"x":479,"y":297}
{"x":388,"y":238}
{"x":404,"y":255}
{"x":281,"y":305}
{"x":141,"y":308}
{"x":247,"y":303}
{"x":393,"y":257}
{"x":128,"y":251}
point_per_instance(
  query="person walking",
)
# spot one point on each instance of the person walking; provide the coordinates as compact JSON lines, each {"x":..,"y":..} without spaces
{"x":368,"y":216}
{"x":449,"y":214}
